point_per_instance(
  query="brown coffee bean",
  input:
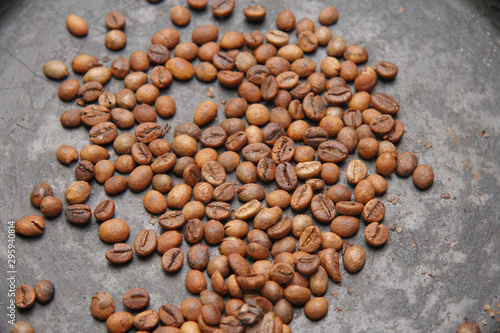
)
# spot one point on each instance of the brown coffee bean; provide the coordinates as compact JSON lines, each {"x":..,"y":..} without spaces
{"x":39,"y":192}
{"x":68,"y":90}
{"x":302,"y":197}
{"x":386,"y":70}
{"x":264,"y":52}
{"x":222,"y":8}
{"x":283,"y":150}
{"x":193,"y":232}
{"x":115,"y":185}
{"x":198,"y":257}
{"x":297,"y":295}
{"x":236,"y":228}
{"x":254,"y":152}
{"x":168,"y":240}
{"x":345,"y":226}
{"x":145,"y":242}
{"x":384,"y":104}
{"x":376,"y":234}
{"x":310,"y":239}
{"x":323,"y":208}
{"x":180,"y":15}
{"x":162,"y":183}
{"x":186,"y":50}
{"x":115,"y":40}
{"x":332,"y":151}
{"x":102,"y":305}
{"x":120,"y":254}
{"x":250,"y":192}
{"x":44,"y":291}
{"x":385,"y":164}
{"x":300,"y":223}
{"x":171,"y":315}
{"x":83,"y":62}
{"x":307,"y":41}
{"x":330,"y":173}
{"x":406,"y":164}
{"x":316,"y":308}
{"x":356,"y":171}
{"x":115,"y":20}
{"x":314,"y":136}
{"x":25,"y":297}
{"x":353,"y":257}
{"x":120,"y":322}
{"x":285,"y":20}
{"x":307,"y":264}
{"x":330,"y":262}
{"x":255,"y":13}
{"x":90,"y":92}
{"x":71,"y":118}
{"x":266,"y":169}
{"x":286,"y":176}
{"x":78,"y":214}
{"x":213,"y":137}
{"x":195,"y":282}
{"x":146,"y":320}
{"x":104,"y":170}
{"x":77,"y":25}
{"x":51,"y":207}
{"x":423,"y":176}
{"x":66,"y":154}
{"x":349,"y":208}
{"x":114,"y":231}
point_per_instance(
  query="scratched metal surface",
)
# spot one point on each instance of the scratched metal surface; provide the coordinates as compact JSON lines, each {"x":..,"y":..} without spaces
{"x":441,"y":267}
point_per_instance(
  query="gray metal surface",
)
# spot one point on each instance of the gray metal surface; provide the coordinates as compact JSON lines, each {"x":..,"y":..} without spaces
{"x":441,"y":267}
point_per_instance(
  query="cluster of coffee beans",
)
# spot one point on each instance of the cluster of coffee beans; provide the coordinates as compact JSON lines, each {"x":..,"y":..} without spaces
{"x":316,"y":123}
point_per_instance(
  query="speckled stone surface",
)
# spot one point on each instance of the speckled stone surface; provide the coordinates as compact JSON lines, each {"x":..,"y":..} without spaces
{"x":440,"y":266}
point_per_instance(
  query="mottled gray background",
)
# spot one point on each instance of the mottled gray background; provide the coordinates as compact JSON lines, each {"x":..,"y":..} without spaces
{"x":442,"y":266}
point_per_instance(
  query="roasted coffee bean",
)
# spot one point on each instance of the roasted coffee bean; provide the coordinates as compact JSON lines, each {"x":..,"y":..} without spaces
{"x":285,"y":20}
{"x":300,"y":223}
{"x":102,"y":305}
{"x":316,"y":308}
{"x":332,"y":151}
{"x":192,"y":175}
{"x":301,"y":90}
{"x":141,"y":153}
{"x":385,"y":164}
{"x":376,"y":234}
{"x":269,"y":88}
{"x":90,"y":91}
{"x":146,"y":320}
{"x":44,"y":291}
{"x":147,"y":132}
{"x":318,"y":281}
{"x":206,"y":72}
{"x":223,"y":61}
{"x":77,"y":192}
{"x":303,"y":67}
{"x":250,"y":192}
{"x":120,"y":322}
{"x":267,"y":217}
{"x":145,"y":242}
{"x":356,"y":171}
{"x":254,"y":152}
{"x":213,"y":137}
{"x":236,"y":141}
{"x":384,"y":104}
{"x":286,"y":177}
{"x":280,"y":229}
{"x":423,"y":176}
{"x":39,"y":192}
{"x":195,"y":282}
{"x":193,"y":232}
{"x":364,"y":191}
{"x":233,"y":125}
{"x":218,"y":210}
{"x":230,"y":79}
{"x":114,"y":231}
{"x":374,"y":211}
{"x":406,"y":164}
{"x":78,"y":214}
{"x":344,"y":226}
{"x":55,"y":69}
{"x":103,"y":133}
{"x":314,"y":107}
{"x":310,"y":240}
{"x":307,"y":41}
{"x":266,"y":169}
{"x":222,"y":8}
{"x":297,"y":295}
{"x":95,"y":114}
{"x":323,"y":208}
{"x":115,"y":185}
{"x":283,"y":150}
{"x":286,"y":244}
{"x":25,"y":297}
{"x":68,"y":90}
{"x":348,"y":137}
{"x":172,"y":260}
{"x":314,"y":136}
{"x":172,"y":220}
{"x":224,"y":192}
{"x":308,"y":264}
{"x":236,"y":228}
{"x":257,"y":74}
{"x":213,"y":172}
{"x":171,"y":315}
{"x":330,"y":262}
{"x":120,"y":253}
{"x":353,"y":257}
{"x":302,"y":197}
{"x":162,"y":164}
{"x":287,"y":80}
{"x":198,"y":257}
{"x":51,"y":207}
{"x":71,"y":118}
{"x":251,"y":281}
{"x":247,"y":172}
{"x":281,"y":273}
{"x":386,"y":70}
{"x":316,"y":183}
{"x":349,"y":208}
{"x":338,"y":95}
{"x":104,"y":170}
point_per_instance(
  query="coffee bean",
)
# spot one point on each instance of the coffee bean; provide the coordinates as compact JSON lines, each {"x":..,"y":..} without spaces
{"x":25,"y":297}
{"x":285,"y":20}
{"x":51,"y":207}
{"x":364,"y":191}
{"x":385,"y":164}
{"x":68,"y":90}
{"x":30,"y":226}
{"x":374,"y":211}
{"x":307,"y":41}
{"x":376,"y":234}
{"x":384,"y":103}
{"x":78,"y":214}
{"x":102,"y":305}
{"x":297,"y":295}
{"x":172,"y":260}
{"x":146,"y":320}
{"x":120,"y":322}
{"x":218,"y":210}
{"x":322,"y":208}
{"x":286,"y":176}
{"x":255,"y":13}
{"x":353,"y":257}
{"x":193,"y":232}
{"x":162,"y":164}
{"x":198,"y":257}
{"x":423,"y":177}
{"x":300,"y":223}
{"x":103,"y":133}
{"x":330,"y":262}
{"x":310,"y":240}
{"x":302,"y":197}
{"x":254,"y":152}
{"x":145,"y":242}
{"x":406,"y":164}
{"x":55,"y":69}
{"x":195,"y":282}
{"x":308,"y":264}
{"x":316,"y":308}
{"x":318,"y":281}
{"x":213,"y":137}
{"x":349,"y":208}
{"x":120,"y":253}
{"x":179,"y":195}
{"x":303,"y":67}
{"x":386,"y":70}
{"x":345,"y":226}
{"x":44,"y":291}
{"x":39,"y":192}
{"x":332,"y":151}
{"x":22,"y":327}
{"x":114,"y":231}
{"x":115,"y":185}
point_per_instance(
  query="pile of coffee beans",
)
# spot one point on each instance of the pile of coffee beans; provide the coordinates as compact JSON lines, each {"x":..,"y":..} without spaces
{"x":291,"y":125}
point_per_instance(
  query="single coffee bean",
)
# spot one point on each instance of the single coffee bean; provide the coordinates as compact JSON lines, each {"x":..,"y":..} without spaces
{"x":344,"y":226}
{"x":120,"y":253}
{"x":195,"y":282}
{"x":30,"y":226}
{"x":332,"y":151}
{"x":423,"y":177}
{"x":285,"y":20}
{"x":310,"y":240}
{"x":356,"y":171}
{"x":172,"y":220}
{"x":71,"y":118}
{"x":297,"y":295}
{"x":172,"y":260}
{"x":330,"y":173}
{"x":314,"y":136}
{"x":308,"y":264}
{"x":145,"y":242}
{"x":115,"y":185}
{"x":66,"y":154}
{"x":318,"y":281}
{"x":146,"y":320}
{"x":25,"y":297}
{"x":406,"y":164}
{"x":266,"y":169}
{"x":213,"y":137}
{"x":78,"y":214}
{"x":103,"y":133}
{"x":218,"y":210}
{"x":193,"y":232}
{"x":90,"y":92}
{"x":250,"y":192}
{"x":114,"y":231}
{"x":68,"y":90}
{"x":286,"y":176}
{"x":353,"y":257}
{"x":198,"y":257}
{"x":115,"y":20}
{"x":222,"y":8}
{"x":254,"y":152}
{"x":316,"y":308}
{"x":163,"y":163}
{"x":384,"y":103}
{"x":120,"y":322}
{"x":364,"y":191}
{"x":51,"y":207}
{"x":385,"y":164}
{"x":349,"y":208}
{"x":39,"y":192}
{"x":374,"y":211}
{"x":330,"y":262}
{"x":44,"y":291}
{"x":102,"y":305}
{"x":281,"y":229}
{"x":302,"y":197}
{"x":136,"y":298}
{"x":55,"y":69}
{"x":386,"y":70}
{"x":255,"y":13}
{"x":323,"y":208}
{"x":376,"y":234}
